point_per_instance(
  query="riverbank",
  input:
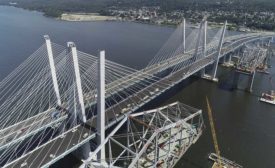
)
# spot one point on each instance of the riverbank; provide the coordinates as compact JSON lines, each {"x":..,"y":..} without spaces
{"x":85,"y":17}
{"x":78,"y":17}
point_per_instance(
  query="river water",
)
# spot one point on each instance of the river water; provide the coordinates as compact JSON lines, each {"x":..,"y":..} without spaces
{"x":245,"y":127}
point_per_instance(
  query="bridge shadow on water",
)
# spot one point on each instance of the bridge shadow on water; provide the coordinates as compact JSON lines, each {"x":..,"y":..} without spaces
{"x":226,"y":82}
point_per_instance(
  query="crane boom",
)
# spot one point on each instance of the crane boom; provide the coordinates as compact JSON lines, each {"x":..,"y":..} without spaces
{"x":214,"y":136}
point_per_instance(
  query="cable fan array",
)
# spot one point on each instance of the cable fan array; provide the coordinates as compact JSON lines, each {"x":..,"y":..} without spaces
{"x":28,"y":99}
{"x":200,"y":43}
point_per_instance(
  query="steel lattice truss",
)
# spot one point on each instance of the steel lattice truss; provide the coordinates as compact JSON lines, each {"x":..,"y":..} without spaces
{"x":251,"y":58}
{"x":154,"y":138}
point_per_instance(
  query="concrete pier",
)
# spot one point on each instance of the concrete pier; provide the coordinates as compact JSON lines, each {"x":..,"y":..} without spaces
{"x":236,"y":79}
{"x":251,"y":77}
{"x":251,"y":82}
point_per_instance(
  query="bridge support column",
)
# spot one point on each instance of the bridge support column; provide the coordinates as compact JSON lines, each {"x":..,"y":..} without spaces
{"x":229,"y":58}
{"x":223,"y":59}
{"x":202,"y":72}
{"x":215,"y":68}
{"x":236,"y":80}
{"x":251,"y":82}
{"x":226,"y":61}
{"x":229,"y":62}
{"x":73,"y":50}
{"x":100,"y":123}
{"x":53,"y":70}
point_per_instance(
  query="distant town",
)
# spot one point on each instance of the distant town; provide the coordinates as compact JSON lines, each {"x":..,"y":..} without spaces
{"x":154,"y":15}
{"x":242,"y":16}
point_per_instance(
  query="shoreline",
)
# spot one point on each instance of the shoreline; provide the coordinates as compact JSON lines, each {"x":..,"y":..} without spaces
{"x":93,"y":17}
{"x":80,"y":17}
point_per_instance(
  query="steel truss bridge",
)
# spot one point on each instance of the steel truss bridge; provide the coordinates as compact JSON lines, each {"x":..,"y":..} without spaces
{"x":61,"y":100}
{"x":251,"y":58}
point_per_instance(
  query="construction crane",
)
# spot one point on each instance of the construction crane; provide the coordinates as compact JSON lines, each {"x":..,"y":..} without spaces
{"x":219,"y":162}
{"x":214,"y":136}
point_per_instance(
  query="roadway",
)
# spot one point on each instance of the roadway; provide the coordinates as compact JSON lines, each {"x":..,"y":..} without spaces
{"x":28,"y":127}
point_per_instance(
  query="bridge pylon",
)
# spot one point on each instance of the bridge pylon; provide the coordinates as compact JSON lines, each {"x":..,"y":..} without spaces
{"x":53,"y":69}
{"x":100,"y":123}
{"x":213,"y":73}
{"x":196,"y":54}
{"x":215,"y":68}
{"x":184,"y":35}
{"x":228,"y":59}
{"x":73,"y":50}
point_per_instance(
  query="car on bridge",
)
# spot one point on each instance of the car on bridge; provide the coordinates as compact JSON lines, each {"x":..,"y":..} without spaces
{"x":55,"y":115}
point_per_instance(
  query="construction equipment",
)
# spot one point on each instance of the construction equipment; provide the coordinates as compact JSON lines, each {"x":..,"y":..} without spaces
{"x":214,"y":136}
{"x":219,"y":162}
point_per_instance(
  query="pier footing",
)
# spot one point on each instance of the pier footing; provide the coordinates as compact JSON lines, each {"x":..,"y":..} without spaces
{"x":228,"y":64}
{"x":209,"y":78}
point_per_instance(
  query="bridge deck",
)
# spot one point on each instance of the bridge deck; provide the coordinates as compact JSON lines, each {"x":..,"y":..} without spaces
{"x":26,"y":128}
{"x":47,"y":152}
{"x":59,"y":147}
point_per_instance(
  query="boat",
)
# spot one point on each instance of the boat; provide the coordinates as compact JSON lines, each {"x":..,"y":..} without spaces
{"x":268,"y":97}
{"x":226,"y":163}
{"x":263,"y":71}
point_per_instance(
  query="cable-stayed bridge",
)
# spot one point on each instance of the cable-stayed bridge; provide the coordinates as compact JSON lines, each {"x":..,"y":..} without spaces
{"x":61,"y":100}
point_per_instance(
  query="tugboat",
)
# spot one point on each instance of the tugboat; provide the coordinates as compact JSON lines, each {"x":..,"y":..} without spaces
{"x":268,"y":97}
